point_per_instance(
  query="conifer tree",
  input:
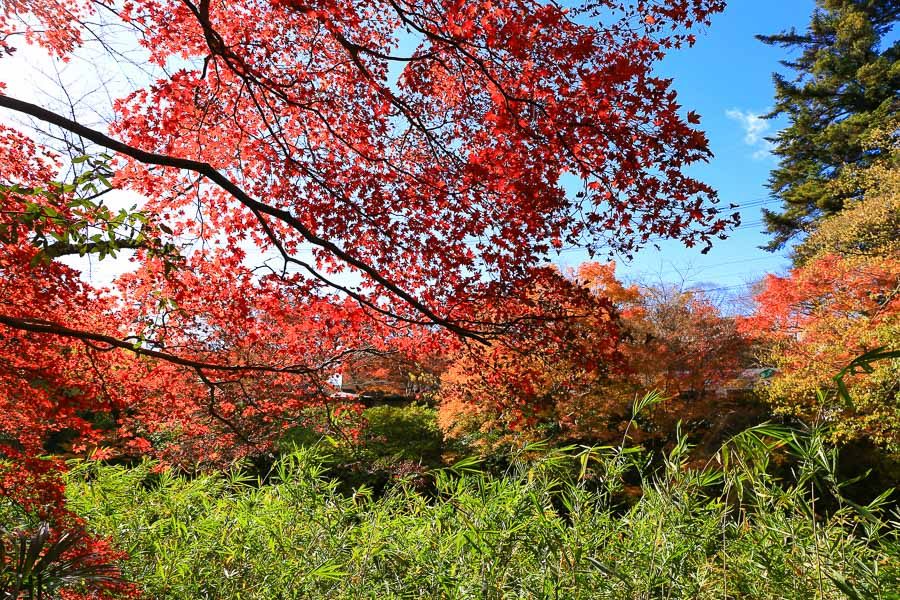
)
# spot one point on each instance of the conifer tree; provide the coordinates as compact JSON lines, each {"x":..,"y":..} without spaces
{"x":846,"y":86}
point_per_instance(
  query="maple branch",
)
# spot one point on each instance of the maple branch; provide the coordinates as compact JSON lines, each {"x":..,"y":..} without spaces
{"x":360,"y":298}
{"x":214,"y":175}
{"x":48,"y":327}
{"x":249,"y":75}
{"x":211,"y":408}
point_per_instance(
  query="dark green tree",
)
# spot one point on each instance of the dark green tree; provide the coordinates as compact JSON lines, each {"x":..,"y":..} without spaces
{"x":845,"y":87}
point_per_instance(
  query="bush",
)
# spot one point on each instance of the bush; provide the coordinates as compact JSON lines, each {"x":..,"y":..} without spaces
{"x":389,"y":443}
{"x":407,"y":433}
{"x":549,"y":528}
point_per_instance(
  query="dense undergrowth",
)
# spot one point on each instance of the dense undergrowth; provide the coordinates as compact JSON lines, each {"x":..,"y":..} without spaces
{"x":555,"y":524}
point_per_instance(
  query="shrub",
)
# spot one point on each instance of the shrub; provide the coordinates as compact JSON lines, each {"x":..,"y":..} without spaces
{"x":549,"y":528}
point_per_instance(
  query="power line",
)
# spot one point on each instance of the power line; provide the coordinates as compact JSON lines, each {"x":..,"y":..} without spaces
{"x":701,"y":268}
{"x":755,"y":203}
{"x":716,"y":289}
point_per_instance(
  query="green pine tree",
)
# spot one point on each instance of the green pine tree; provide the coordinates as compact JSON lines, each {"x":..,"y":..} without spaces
{"x":847,"y":85}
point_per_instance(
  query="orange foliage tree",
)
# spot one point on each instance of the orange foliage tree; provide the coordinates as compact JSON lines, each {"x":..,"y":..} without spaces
{"x":562,"y":350}
{"x":841,"y":300}
{"x":577,"y":378}
{"x":681,"y":344}
{"x":812,"y":323}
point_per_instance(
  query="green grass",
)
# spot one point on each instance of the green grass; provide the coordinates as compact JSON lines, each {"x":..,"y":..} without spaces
{"x":554,"y":525}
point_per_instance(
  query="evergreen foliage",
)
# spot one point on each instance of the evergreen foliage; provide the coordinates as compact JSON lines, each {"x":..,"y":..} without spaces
{"x":846,"y":85}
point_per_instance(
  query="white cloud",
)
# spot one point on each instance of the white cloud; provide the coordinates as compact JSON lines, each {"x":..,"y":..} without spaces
{"x":755,"y":130}
{"x":763,"y":153}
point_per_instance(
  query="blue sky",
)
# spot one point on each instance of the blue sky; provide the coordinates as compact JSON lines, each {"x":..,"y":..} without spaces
{"x":727,"y":78}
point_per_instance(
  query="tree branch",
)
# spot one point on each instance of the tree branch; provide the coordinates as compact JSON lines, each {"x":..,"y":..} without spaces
{"x":48,"y":327}
{"x":208,"y":171}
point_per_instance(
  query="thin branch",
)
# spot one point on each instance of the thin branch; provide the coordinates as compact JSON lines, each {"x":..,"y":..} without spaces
{"x":48,"y":327}
{"x":208,"y":171}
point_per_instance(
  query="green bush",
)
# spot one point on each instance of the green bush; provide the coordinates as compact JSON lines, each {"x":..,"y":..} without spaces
{"x":548,"y":528}
{"x":391,"y":443}
{"x":408,"y":433}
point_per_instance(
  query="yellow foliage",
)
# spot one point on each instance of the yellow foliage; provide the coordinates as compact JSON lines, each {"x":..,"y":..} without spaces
{"x":870,"y":226}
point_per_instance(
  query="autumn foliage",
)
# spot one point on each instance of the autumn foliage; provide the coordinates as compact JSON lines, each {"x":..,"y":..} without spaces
{"x":304,"y":205}
{"x":547,"y":371}
{"x":840,"y":301}
{"x":374,"y":189}
{"x":577,"y":378}
{"x":818,"y":319}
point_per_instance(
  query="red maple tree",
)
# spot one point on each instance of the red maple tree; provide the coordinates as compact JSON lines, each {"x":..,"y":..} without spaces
{"x":382,"y":202}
